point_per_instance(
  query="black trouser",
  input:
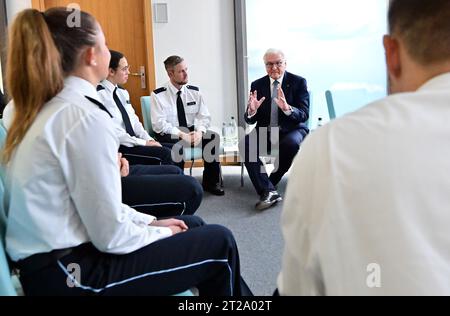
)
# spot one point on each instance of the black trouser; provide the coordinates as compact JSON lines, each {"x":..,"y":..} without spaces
{"x":210,"y":141}
{"x":161,"y":191}
{"x":289,"y":145}
{"x":205,"y":257}
{"x":147,"y":155}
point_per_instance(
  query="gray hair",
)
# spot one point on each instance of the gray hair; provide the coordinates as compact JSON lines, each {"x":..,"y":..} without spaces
{"x":273,"y":51}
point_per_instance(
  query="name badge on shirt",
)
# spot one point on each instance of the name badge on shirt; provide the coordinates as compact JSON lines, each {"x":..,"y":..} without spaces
{"x":191,"y":103}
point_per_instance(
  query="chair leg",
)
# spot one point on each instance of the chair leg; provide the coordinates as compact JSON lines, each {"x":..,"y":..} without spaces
{"x":220,"y":175}
{"x":242,"y":174}
{"x":192,"y":166}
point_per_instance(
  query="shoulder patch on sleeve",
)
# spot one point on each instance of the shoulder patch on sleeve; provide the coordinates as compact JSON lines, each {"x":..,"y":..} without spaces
{"x":160,"y":90}
{"x":100,"y":87}
{"x":193,"y":88}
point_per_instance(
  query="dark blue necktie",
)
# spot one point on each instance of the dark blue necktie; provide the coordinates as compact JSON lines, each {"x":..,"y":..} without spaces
{"x":180,"y":110}
{"x":125,"y":117}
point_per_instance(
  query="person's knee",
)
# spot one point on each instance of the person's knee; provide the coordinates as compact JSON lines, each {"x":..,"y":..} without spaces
{"x":290,"y":146}
{"x":176,"y":170}
{"x":222,"y":235}
{"x":196,"y":221}
{"x":192,"y":183}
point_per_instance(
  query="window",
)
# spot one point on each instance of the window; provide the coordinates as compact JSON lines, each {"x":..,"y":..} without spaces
{"x":335,"y":45}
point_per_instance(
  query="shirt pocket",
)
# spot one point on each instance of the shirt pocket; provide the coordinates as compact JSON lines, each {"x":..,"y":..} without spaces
{"x":191,"y":107}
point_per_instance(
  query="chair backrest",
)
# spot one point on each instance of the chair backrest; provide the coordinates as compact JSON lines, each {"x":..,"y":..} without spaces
{"x":345,"y":101}
{"x":146,"y":114}
{"x":310,"y":113}
{"x":330,"y":105}
{"x":6,"y":285}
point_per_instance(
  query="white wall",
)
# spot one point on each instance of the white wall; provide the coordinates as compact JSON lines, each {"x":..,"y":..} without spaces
{"x":15,"y":6}
{"x":202,"y":32}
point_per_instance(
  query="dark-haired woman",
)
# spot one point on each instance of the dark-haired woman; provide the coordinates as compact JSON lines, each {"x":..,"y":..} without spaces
{"x":136,"y":145}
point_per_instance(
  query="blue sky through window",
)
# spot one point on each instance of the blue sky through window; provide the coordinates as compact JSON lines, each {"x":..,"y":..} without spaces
{"x":335,"y":44}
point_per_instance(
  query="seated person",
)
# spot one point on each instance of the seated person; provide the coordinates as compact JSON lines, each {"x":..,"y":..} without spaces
{"x":180,"y":116}
{"x":367,"y":207}
{"x":135,"y":143}
{"x":279,"y":106}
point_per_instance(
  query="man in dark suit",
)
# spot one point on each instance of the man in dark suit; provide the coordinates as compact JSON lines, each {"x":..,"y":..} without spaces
{"x":280,"y":115}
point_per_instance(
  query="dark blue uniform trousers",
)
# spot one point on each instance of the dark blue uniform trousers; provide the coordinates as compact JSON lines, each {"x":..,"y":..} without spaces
{"x":161,"y":191}
{"x":205,"y":257}
{"x":210,"y":147}
{"x":289,"y":145}
{"x":147,"y":155}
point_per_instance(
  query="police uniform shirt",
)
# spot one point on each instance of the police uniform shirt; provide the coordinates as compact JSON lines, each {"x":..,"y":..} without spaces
{"x":105,"y":91}
{"x":164,"y":112}
{"x":64,"y":182}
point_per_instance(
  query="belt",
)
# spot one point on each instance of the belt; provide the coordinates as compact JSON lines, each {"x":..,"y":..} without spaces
{"x":40,"y":261}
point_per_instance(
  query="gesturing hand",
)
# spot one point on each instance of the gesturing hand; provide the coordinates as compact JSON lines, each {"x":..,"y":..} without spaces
{"x":281,"y":101}
{"x":253,"y":102}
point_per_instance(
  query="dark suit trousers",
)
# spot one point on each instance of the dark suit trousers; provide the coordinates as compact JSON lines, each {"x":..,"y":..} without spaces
{"x":161,"y":191}
{"x":205,"y":257}
{"x":288,"y":145}
{"x":210,"y":148}
{"x":147,"y":155}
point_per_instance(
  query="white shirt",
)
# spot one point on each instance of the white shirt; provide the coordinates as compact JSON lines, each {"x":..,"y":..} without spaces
{"x":164,"y":112}
{"x":373,"y":187}
{"x":106,"y":97}
{"x":64,"y":183}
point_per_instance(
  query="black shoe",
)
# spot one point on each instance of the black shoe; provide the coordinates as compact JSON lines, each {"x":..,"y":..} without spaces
{"x":215,"y":189}
{"x":268,"y":200}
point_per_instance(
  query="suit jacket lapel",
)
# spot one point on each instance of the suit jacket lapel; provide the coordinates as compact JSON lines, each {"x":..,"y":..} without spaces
{"x":286,"y":86}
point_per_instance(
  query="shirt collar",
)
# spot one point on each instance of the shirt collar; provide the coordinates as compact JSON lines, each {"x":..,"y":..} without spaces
{"x":109,"y":85}
{"x":439,"y":81}
{"x":279,"y":80}
{"x":174,"y":90}
{"x":81,"y":86}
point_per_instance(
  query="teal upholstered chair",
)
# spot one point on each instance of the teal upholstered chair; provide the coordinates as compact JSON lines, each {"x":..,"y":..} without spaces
{"x":189,"y":155}
{"x":340,"y":102}
{"x":330,"y":105}
{"x":6,"y":283}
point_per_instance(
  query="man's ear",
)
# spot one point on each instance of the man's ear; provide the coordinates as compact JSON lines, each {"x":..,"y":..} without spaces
{"x":392,"y":48}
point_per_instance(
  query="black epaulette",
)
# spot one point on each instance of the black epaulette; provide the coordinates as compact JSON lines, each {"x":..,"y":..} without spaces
{"x":100,"y":87}
{"x":160,"y":90}
{"x":120,"y":87}
{"x":193,"y":88}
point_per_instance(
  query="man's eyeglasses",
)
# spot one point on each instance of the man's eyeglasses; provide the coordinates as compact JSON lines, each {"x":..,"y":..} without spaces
{"x":277,"y":64}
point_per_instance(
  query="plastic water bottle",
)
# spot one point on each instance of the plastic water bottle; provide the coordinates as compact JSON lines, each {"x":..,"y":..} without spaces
{"x":319,"y":122}
{"x":233,"y":131}
{"x":225,"y":133}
